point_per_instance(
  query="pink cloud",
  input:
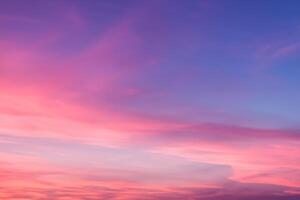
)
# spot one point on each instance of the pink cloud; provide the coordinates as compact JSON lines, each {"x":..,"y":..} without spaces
{"x":70,"y":139}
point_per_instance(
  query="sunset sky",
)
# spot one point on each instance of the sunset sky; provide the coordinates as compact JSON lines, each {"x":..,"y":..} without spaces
{"x":149,"y":100}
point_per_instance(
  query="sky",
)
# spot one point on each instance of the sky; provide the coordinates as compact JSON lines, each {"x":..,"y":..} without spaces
{"x":149,"y":100}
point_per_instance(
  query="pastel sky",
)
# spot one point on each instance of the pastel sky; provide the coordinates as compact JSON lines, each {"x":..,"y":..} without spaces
{"x":149,"y":100}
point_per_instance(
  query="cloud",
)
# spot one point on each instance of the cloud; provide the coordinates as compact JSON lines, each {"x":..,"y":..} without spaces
{"x":273,"y":52}
{"x":82,"y":115}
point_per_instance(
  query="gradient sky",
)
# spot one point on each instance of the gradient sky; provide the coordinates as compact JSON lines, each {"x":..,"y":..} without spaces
{"x":149,"y":100}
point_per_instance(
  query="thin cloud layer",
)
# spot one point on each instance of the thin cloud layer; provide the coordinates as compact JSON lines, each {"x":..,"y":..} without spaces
{"x":129,"y":100}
